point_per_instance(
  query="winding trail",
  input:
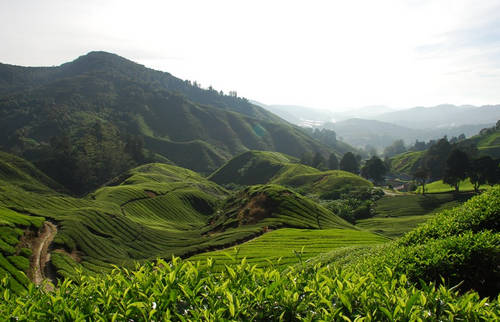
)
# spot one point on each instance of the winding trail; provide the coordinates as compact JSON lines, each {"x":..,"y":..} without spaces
{"x":40,"y":255}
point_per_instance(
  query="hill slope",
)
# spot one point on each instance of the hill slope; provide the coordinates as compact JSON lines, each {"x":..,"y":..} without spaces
{"x":104,"y":109}
{"x":155,"y":210}
{"x":487,"y":142}
{"x":261,"y":167}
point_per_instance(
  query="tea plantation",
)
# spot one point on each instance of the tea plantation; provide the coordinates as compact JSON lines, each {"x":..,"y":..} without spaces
{"x":114,"y":254}
{"x":432,"y":273}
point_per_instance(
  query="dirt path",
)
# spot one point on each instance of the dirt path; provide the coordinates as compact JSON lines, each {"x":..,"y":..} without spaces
{"x":40,"y":255}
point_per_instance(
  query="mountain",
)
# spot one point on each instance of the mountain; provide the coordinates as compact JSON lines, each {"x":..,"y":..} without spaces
{"x":442,"y":116}
{"x":101,"y":114}
{"x":378,"y":134}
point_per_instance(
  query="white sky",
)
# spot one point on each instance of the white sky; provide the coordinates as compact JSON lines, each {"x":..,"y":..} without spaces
{"x":325,"y":54}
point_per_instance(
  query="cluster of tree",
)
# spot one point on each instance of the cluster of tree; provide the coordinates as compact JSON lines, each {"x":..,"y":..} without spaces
{"x":398,"y":146}
{"x":422,"y":145}
{"x":374,"y":169}
{"x":457,"y":166}
{"x":317,"y":161}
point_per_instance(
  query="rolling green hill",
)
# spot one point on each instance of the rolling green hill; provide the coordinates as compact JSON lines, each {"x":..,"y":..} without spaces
{"x":445,"y":270}
{"x":397,"y":215}
{"x":155,"y":210}
{"x":487,"y":142}
{"x":439,"y":187}
{"x":101,"y":115}
{"x":287,"y":246}
{"x":406,"y":163}
{"x":261,"y":167}
{"x":253,"y":167}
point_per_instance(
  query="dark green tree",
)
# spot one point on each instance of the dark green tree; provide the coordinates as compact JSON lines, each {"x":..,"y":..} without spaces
{"x":421,"y":175}
{"x":435,"y":158}
{"x":333,"y":162}
{"x":318,"y":160}
{"x":397,"y":147}
{"x":483,"y":170}
{"x":374,"y":169}
{"x":306,"y":158}
{"x":457,"y":168}
{"x":349,"y":163}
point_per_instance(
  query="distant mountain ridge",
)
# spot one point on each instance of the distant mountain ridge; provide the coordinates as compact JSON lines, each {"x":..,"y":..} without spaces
{"x":445,"y":115}
{"x":379,"y":134}
{"x":379,"y":126}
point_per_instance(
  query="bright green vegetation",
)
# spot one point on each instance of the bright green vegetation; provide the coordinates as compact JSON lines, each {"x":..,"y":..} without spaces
{"x":396,"y":215}
{"x":253,"y":167}
{"x":265,"y":207}
{"x":282,"y":247}
{"x":259,"y":167}
{"x":426,"y":275}
{"x":487,"y":142}
{"x":14,"y":256}
{"x":460,"y":244}
{"x":406,"y":163}
{"x":155,"y":210}
{"x":439,"y":187}
{"x":323,"y":182}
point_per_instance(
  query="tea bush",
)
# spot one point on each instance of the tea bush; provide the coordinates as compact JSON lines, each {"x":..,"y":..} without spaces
{"x":182,"y":291}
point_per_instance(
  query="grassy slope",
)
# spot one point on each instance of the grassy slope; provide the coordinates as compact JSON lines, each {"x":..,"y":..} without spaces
{"x":459,"y":244}
{"x":406,"y":163}
{"x":155,"y":210}
{"x":320,"y":182}
{"x":487,"y":143}
{"x":252,"y":167}
{"x":396,"y":215}
{"x":288,"y":246}
{"x":259,"y":167}
{"x":439,"y":187}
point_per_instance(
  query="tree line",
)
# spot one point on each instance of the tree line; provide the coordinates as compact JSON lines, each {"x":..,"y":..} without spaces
{"x":453,"y":164}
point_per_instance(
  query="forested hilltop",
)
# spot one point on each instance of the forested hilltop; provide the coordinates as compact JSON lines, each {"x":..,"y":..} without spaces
{"x":88,"y":120}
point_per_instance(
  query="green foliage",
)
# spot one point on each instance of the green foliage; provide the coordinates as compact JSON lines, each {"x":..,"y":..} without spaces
{"x":461,"y":245}
{"x":333,"y":162}
{"x":185,"y":291}
{"x":439,"y":187}
{"x":487,"y":142}
{"x":252,"y":167}
{"x":406,"y":163}
{"x":479,"y":213}
{"x":394,"y":216}
{"x":457,"y":168}
{"x":374,"y":169}
{"x":349,"y":163}
{"x":260,"y":167}
{"x":271,"y":206}
{"x":397,"y":147}
{"x":277,"y":248}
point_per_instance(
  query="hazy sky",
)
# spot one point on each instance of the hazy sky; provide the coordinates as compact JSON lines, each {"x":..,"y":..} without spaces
{"x":327,"y":54}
